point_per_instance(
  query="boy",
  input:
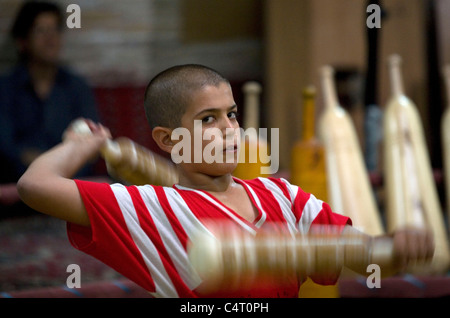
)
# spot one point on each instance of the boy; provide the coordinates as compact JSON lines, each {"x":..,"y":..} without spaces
{"x":142,"y":232}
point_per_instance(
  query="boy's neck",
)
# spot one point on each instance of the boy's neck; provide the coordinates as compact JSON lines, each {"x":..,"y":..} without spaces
{"x":205,"y":182}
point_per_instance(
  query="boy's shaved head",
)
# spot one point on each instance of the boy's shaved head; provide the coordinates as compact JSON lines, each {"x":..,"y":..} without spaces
{"x":168,"y":94}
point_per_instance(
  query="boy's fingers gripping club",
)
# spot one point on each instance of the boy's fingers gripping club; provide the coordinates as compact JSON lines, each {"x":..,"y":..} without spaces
{"x":130,"y":162}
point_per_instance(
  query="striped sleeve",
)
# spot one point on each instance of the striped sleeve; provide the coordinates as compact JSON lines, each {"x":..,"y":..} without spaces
{"x":108,"y":231}
{"x":309,"y":210}
{"x":131,"y":232}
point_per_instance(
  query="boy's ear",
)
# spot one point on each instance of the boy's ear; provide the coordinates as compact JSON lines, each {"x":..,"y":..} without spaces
{"x":162,"y":137}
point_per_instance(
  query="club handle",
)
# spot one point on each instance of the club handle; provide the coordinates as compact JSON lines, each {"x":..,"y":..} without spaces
{"x":252,"y":91}
{"x":328,"y":86}
{"x":394,"y":64}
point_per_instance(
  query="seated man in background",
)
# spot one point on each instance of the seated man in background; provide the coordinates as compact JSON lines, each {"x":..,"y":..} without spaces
{"x":38,"y":97}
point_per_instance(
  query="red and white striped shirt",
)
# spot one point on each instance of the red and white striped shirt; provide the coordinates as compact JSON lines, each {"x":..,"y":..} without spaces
{"x":143,"y":231}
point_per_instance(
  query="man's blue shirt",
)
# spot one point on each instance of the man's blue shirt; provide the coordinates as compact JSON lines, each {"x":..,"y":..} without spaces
{"x":26,"y":121}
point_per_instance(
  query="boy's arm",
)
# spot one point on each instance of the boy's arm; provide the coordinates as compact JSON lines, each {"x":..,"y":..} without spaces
{"x":47,"y":186}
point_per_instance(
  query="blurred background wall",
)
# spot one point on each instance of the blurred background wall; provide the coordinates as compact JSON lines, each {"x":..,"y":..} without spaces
{"x":129,"y":41}
{"x":281,"y":43}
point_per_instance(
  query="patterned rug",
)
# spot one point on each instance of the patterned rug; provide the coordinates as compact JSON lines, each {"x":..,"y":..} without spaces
{"x":35,"y":253}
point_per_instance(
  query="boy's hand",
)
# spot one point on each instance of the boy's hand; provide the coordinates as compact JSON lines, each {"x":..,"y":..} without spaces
{"x":47,"y":186}
{"x":412,"y":246}
{"x":92,"y":140}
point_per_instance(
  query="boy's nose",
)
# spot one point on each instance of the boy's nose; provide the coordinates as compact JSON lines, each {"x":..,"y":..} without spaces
{"x":230,"y":130}
{"x":226,"y":123}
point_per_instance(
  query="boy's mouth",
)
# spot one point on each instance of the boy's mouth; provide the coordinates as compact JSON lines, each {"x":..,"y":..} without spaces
{"x":231,"y":148}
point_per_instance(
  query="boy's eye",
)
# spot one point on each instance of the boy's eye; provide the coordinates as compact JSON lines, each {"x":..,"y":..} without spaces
{"x":232,"y":115}
{"x":208,"y":119}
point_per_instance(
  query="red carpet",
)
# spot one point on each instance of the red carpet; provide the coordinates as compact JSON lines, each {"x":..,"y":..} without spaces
{"x":35,"y":253}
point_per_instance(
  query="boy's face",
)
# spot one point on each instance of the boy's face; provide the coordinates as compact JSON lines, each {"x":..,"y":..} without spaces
{"x":215,"y":108}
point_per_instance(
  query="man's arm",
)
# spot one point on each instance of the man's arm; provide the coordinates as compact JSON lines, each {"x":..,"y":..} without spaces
{"x":47,"y":186}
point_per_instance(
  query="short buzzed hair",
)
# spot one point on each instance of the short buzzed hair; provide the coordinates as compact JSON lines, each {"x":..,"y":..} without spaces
{"x":168,"y":94}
